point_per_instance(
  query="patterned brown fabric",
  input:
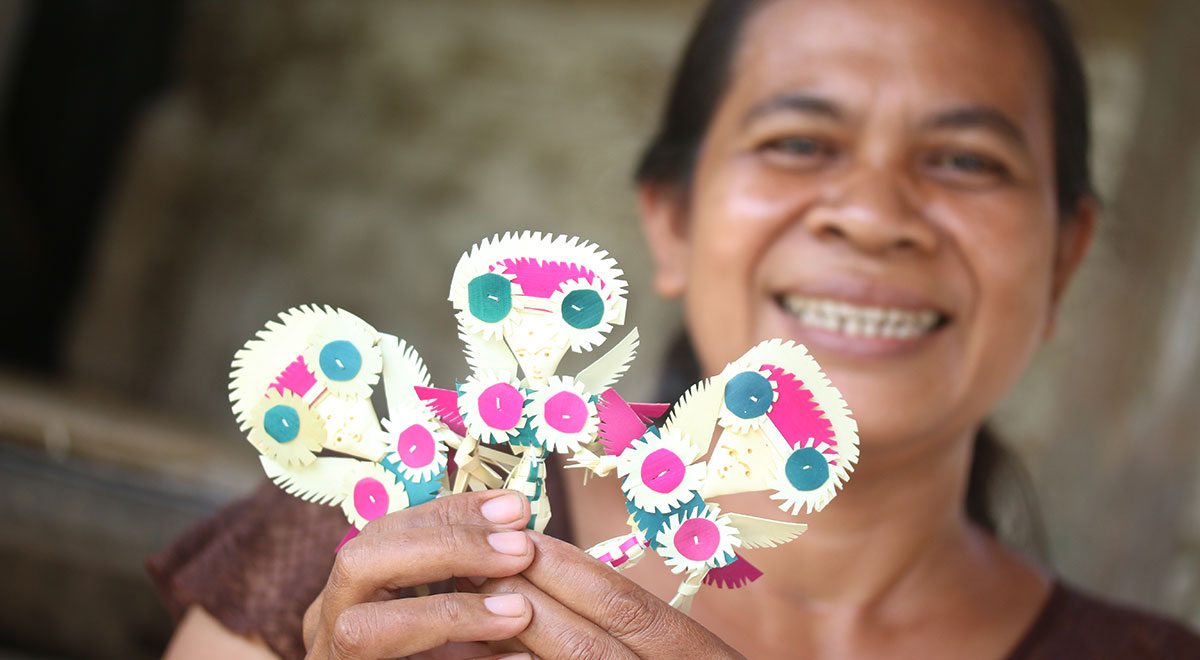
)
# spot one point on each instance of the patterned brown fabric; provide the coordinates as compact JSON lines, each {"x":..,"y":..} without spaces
{"x":255,"y":566}
{"x":258,"y":563}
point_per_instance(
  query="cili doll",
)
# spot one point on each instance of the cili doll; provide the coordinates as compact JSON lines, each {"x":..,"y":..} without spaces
{"x":778,"y":426}
{"x":522,"y":302}
{"x":771,"y":421}
{"x":301,"y":391}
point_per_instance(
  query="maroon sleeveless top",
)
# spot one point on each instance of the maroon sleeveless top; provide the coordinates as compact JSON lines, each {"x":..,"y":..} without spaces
{"x":258,"y":563}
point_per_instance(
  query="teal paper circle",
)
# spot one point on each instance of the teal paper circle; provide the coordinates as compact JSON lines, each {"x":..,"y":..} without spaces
{"x":282,"y":423}
{"x":807,"y":469}
{"x":749,"y":395}
{"x":489,"y":297}
{"x":583,"y":309}
{"x":340,"y":360}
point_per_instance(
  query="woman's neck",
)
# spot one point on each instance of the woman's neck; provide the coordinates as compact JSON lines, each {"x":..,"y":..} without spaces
{"x":891,"y":560}
{"x":893,"y":554}
{"x":900,"y":512}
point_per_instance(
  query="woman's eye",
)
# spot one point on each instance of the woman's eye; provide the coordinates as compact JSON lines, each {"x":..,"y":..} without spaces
{"x":966,"y":167}
{"x":798,"y":150}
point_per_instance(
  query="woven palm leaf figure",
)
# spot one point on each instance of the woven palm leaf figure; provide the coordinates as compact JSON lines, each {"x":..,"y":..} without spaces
{"x":301,"y":391}
{"x":522,"y":302}
{"x":779,"y":426}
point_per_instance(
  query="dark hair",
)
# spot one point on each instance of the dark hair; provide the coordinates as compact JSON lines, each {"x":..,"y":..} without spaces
{"x":698,"y":88}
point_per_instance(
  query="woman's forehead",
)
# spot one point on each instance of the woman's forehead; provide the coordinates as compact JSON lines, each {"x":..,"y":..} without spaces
{"x":923,"y":54}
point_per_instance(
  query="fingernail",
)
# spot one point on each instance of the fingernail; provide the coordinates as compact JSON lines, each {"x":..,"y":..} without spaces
{"x":509,"y":543}
{"x":503,"y":509}
{"x":516,"y":656}
{"x":475,"y":580}
{"x":506,"y":605}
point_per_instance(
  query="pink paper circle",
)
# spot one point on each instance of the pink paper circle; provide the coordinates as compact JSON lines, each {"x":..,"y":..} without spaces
{"x":698,"y":539}
{"x":415,"y":446}
{"x":500,"y":406}
{"x":370,"y":498}
{"x":566,"y":412}
{"x":663,"y":471}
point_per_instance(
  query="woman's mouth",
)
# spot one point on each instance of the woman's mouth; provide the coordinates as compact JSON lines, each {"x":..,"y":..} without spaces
{"x":860,"y":328}
{"x":861,"y":320}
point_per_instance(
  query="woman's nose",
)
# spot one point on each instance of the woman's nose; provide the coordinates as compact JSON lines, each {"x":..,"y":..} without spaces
{"x":875,"y":212}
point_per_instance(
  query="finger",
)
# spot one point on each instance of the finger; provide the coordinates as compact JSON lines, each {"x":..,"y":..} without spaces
{"x":312,"y":617}
{"x":504,"y":508}
{"x":640,"y":620}
{"x":403,"y":627}
{"x":368,"y":565}
{"x":555,"y":631}
{"x":457,"y":651}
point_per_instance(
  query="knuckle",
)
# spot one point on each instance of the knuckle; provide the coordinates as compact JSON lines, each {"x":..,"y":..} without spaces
{"x":350,"y":634}
{"x":579,"y":645}
{"x":454,"y":539}
{"x":443,"y":512}
{"x":455,"y":509}
{"x":348,"y":565}
{"x":379,"y":525}
{"x":629,"y":612}
{"x":449,"y":539}
{"x":447,"y":608}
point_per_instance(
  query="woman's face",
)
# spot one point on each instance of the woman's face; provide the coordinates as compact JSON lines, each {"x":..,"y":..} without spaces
{"x":878,"y":184}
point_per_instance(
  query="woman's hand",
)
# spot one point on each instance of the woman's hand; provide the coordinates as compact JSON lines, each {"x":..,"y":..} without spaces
{"x":551,"y":596}
{"x":472,"y":535}
{"x":584,"y":609}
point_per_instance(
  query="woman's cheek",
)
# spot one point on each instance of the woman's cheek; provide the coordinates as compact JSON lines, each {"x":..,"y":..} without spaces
{"x":1013,"y":269}
{"x":762,"y":201}
{"x":733,"y":227}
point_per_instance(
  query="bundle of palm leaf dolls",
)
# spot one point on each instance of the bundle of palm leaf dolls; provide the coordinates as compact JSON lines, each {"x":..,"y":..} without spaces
{"x":770,"y":421}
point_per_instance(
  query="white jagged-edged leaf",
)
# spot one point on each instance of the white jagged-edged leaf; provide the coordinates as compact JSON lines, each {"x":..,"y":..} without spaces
{"x":610,"y":367}
{"x":694,"y":416}
{"x":403,"y":369}
{"x":762,"y":532}
{"x":486,"y":354}
{"x":322,"y":481}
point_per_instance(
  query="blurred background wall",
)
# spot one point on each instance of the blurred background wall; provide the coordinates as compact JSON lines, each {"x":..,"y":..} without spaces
{"x":174,"y":173}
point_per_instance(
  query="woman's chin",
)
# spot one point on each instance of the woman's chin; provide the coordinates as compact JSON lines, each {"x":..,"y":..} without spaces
{"x":894,"y":412}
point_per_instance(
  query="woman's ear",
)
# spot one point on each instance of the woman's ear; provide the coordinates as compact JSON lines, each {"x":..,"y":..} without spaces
{"x":664,"y":222}
{"x":1074,"y":239}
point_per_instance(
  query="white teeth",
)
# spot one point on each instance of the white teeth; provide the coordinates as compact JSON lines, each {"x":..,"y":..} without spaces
{"x":861,"y":321}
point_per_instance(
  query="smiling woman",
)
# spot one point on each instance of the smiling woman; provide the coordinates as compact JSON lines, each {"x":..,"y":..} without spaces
{"x":965,"y":168}
{"x":901,"y":186}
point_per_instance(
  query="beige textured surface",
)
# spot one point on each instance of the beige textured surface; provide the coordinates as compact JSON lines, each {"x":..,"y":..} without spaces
{"x":319,"y":156}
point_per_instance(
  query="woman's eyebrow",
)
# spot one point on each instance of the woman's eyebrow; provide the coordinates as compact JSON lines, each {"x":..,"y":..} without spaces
{"x":979,"y":117}
{"x":795,"y":102}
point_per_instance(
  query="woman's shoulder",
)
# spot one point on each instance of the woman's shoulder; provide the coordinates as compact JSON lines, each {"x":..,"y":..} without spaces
{"x":254,"y":566}
{"x":1075,"y":624}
